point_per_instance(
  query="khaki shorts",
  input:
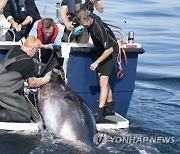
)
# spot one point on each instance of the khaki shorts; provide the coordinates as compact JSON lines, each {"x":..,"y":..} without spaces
{"x":82,"y":38}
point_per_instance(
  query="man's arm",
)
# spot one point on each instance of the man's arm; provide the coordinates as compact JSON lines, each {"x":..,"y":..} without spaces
{"x":7,"y":10}
{"x":33,"y":31}
{"x":2,"y":4}
{"x":98,"y":5}
{"x":64,"y":17}
{"x":57,"y":41}
{"x":8,"y":15}
{"x":36,"y":82}
{"x":32,"y":10}
{"x":27,"y":21}
{"x":105,"y":54}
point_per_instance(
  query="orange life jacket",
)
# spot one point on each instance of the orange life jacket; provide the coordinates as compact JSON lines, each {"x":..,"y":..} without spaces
{"x":40,"y":34}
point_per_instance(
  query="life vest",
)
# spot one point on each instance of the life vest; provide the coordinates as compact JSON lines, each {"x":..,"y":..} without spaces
{"x":18,"y":10}
{"x":40,"y":34}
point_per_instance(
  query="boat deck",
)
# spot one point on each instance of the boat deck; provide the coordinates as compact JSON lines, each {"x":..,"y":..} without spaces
{"x":19,"y":126}
{"x":111,"y":122}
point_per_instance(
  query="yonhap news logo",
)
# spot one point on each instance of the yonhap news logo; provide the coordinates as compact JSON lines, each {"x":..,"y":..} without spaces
{"x":101,"y":138}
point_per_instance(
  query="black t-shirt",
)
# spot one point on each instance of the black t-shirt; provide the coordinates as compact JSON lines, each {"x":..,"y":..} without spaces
{"x":102,"y":36}
{"x":65,"y":2}
{"x":25,"y":67}
{"x":84,"y":4}
{"x":87,"y":4}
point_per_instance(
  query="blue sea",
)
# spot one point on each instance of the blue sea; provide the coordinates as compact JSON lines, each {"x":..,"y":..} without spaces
{"x":154,"y":111}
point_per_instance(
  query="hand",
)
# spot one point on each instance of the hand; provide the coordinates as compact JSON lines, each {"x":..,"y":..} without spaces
{"x":69,"y":25}
{"x":42,"y":46}
{"x":15,"y":25}
{"x":93,"y":1}
{"x":18,"y":28}
{"x":45,"y":80}
{"x":48,"y":75}
{"x":48,"y":46}
{"x":94,"y":65}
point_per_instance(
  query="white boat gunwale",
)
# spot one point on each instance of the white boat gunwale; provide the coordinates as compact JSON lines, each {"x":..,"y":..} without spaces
{"x":118,"y":122}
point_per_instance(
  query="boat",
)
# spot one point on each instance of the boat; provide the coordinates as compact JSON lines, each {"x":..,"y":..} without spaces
{"x":83,"y":81}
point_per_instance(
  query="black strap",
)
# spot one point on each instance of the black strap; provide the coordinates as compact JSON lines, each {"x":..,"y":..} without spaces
{"x":35,"y":114}
{"x":54,"y":60}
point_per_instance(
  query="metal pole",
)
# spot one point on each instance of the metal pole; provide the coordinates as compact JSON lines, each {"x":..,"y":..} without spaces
{"x":57,"y":10}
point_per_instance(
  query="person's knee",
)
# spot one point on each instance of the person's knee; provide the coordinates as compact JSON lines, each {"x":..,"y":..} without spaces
{"x":16,"y":117}
{"x":12,"y":116}
{"x":103,"y":81}
{"x":4,"y":115}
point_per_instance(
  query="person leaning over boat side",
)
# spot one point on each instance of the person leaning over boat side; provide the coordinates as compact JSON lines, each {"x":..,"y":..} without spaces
{"x":21,"y":14}
{"x":107,"y":47}
{"x":49,"y":34}
{"x":2,"y":4}
{"x":68,"y":15}
{"x":16,"y":67}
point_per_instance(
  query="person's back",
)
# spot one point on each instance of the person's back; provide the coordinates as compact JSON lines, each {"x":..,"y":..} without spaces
{"x":17,"y":67}
{"x":21,"y":14}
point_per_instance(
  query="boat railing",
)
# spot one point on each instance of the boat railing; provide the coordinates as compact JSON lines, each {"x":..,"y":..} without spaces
{"x":121,"y":34}
{"x":57,"y":7}
{"x":47,"y":7}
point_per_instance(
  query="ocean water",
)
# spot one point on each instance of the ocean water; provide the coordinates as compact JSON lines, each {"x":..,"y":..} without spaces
{"x":154,"y":111}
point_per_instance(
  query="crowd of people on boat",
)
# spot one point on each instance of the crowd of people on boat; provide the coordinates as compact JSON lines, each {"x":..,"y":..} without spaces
{"x":43,"y":33}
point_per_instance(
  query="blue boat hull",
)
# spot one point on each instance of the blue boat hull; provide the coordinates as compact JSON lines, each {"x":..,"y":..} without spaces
{"x":84,"y":81}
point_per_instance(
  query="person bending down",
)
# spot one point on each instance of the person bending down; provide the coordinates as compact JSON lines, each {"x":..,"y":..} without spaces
{"x":49,"y":34}
{"x":107,"y":47}
{"x":16,"y":67}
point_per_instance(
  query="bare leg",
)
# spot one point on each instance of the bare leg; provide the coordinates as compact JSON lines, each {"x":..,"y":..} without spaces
{"x":105,"y":95}
{"x":109,"y":109}
{"x":104,"y":90}
{"x":109,"y":98}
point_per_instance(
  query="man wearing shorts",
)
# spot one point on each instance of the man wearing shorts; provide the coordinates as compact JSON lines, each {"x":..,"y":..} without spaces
{"x":107,"y":47}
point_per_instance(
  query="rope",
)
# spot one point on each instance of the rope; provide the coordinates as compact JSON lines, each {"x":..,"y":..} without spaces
{"x":121,"y":71}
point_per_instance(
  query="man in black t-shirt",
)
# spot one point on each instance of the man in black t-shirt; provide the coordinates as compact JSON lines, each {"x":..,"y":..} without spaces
{"x":78,"y":4}
{"x":67,"y":16}
{"x":16,"y":67}
{"x":107,"y":47}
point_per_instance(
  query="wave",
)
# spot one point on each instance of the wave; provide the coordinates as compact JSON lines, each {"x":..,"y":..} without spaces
{"x":175,"y":105}
{"x":158,"y":77}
